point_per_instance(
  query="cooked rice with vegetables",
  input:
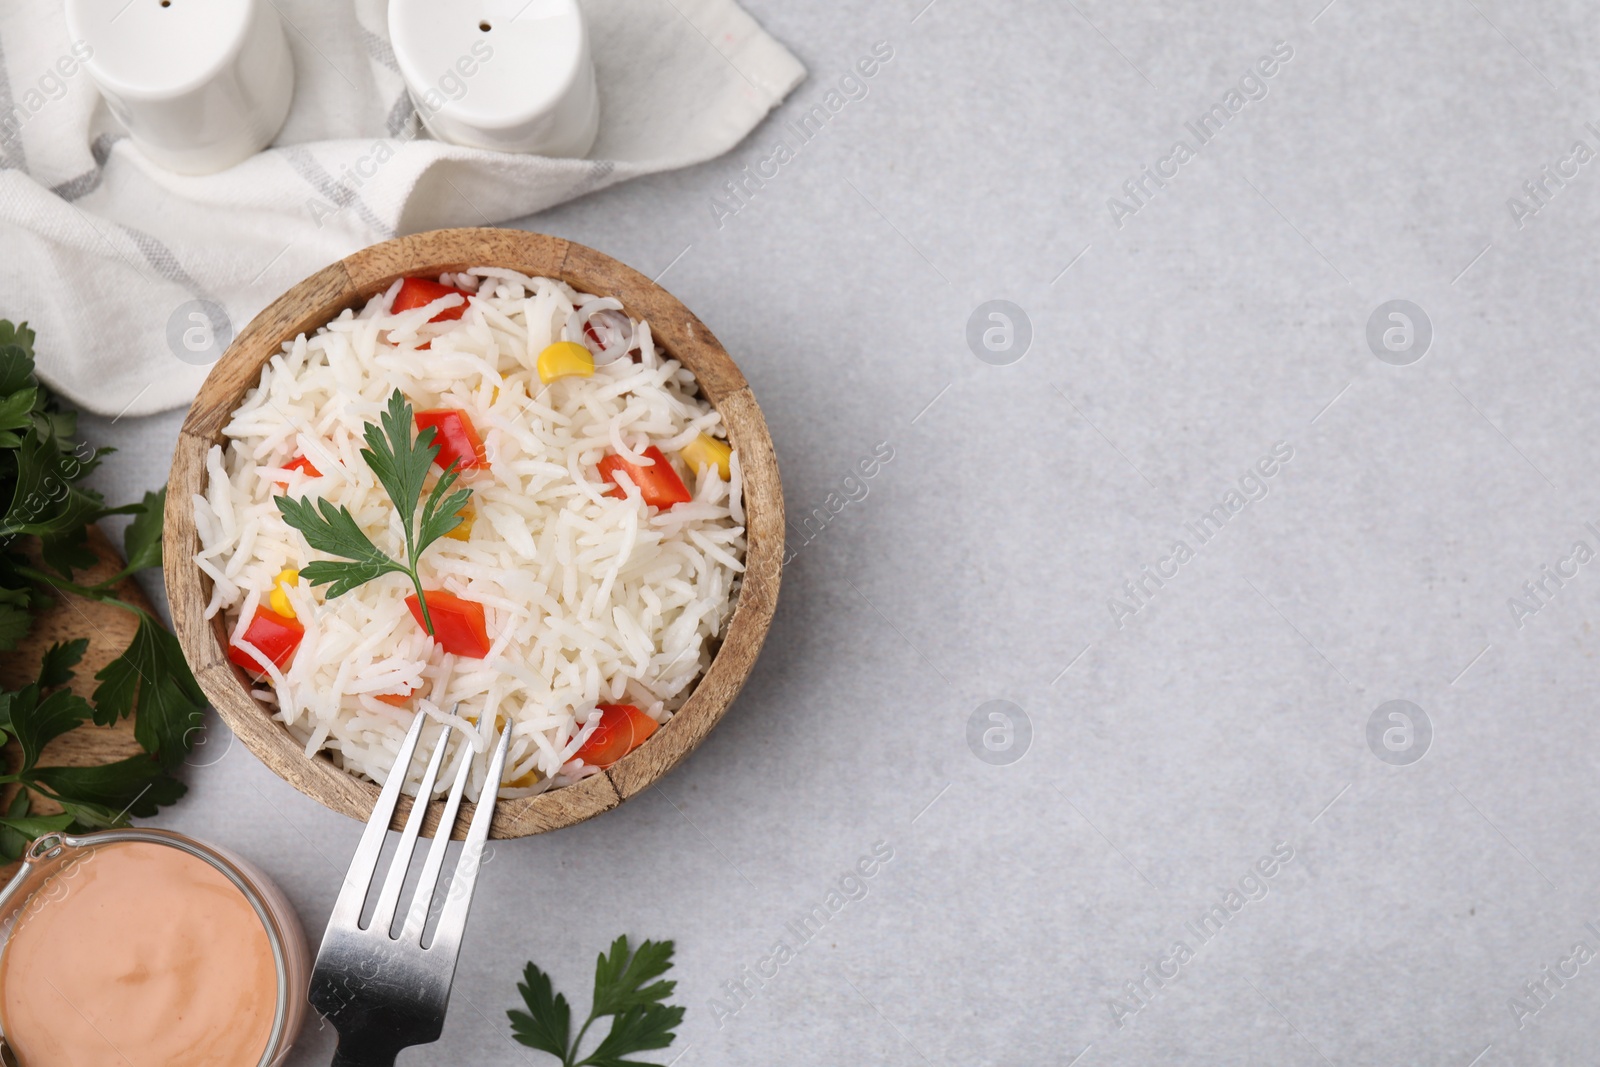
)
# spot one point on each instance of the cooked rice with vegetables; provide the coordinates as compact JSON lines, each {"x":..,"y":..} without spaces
{"x":488,"y":499}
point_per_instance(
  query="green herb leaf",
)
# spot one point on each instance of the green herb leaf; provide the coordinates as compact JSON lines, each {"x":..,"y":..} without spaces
{"x":400,"y":461}
{"x":171,"y":706}
{"x":547,"y":1024}
{"x":16,"y":366}
{"x":152,"y":679}
{"x":441,"y":513}
{"x":638,"y":1029}
{"x":330,"y":529}
{"x":401,"y":465}
{"x":15,"y":619}
{"x":342,"y":577}
{"x":46,"y":499}
{"x":32,"y":826}
{"x":20,"y":336}
{"x":56,"y":667}
{"x":106,"y":795}
{"x":619,"y":980}
{"x":623,"y":989}
{"x":335,"y":531}
{"x":43,"y":496}
{"x":118,"y":691}
{"x":16,"y":409}
{"x":12,"y":842}
{"x":36,"y":722}
{"x":141,"y":542}
{"x":68,"y":551}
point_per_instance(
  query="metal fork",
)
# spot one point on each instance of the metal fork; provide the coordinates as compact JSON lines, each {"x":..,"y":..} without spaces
{"x":384,"y":994}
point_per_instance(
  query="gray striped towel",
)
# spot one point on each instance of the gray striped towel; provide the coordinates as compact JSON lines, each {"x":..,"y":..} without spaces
{"x":130,"y":274}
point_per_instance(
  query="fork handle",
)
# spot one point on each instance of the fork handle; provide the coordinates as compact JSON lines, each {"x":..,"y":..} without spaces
{"x":354,"y":1054}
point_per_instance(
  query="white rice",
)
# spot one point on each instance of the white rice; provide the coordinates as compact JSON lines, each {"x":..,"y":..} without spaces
{"x":590,"y":599}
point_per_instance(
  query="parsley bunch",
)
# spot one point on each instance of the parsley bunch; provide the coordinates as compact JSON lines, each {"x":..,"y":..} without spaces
{"x":640,"y":1020}
{"x":44,"y":531}
{"x":91,"y":797}
{"x":401,"y":464}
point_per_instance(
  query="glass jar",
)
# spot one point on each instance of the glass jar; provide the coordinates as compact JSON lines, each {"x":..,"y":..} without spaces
{"x":56,"y":853}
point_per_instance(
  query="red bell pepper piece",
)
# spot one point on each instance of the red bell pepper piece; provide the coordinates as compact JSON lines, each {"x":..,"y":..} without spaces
{"x":599,"y":346}
{"x":659,"y":484}
{"x":459,"y":625}
{"x":298,"y":463}
{"x":395,"y":700}
{"x":420,"y":292}
{"x":456,"y":437}
{"x":276,"y":636}
{"x":622,"y":729}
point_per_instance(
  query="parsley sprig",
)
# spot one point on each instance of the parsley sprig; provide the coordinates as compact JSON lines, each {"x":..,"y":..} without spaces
{"x":401,"y":464}
{"x":46,"y":509}
{"x":640,"y":1020}
{"x":90,"y":797}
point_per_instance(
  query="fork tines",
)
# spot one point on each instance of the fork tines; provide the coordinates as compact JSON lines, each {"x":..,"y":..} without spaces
{"x":363,"y":867}
{"x":381,"y":992}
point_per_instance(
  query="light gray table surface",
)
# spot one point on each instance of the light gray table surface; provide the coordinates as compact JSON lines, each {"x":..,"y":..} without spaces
{"x":1168,"y":746}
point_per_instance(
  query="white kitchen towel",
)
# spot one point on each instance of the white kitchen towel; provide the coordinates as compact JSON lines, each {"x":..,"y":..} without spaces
{"x":106,"y":254}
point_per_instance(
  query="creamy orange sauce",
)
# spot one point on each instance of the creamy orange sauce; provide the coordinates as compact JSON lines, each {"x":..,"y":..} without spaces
{"x":138,"y":955}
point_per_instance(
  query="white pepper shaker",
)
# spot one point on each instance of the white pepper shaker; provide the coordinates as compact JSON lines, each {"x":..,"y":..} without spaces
{"x":507,"y":75}
{"x":199,"y":84}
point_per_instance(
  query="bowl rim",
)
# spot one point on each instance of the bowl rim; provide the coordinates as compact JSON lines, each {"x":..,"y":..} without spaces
{"x":347,"y":284}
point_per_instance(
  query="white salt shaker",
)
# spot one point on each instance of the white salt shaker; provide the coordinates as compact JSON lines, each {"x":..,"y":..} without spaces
{"x":508,"y":75}
{"x":199,"y":84}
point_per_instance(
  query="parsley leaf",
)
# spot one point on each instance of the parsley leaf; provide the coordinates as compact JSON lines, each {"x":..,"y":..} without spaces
{"x":15,"y":619}
{"x":16,"y":408}
{"x":45,"y":513}
{"x":45,"y":501}
{"x":37,"y":721}
{"x":151,"y":678}
{"x":442,"y":513}
{"x":56,"y":667}
{"x":636,"y":1030}
{"x":22,"y":338}
{"x":401,"y":465}
{"x":547,"y":1024}
{"x":102,"y":796}
{"x":17,"y":827}
{"x":28,"y":827}
{"x":34,"y":718}
{"x":91,"y":796}
{"x":141,"y":543}
{"x":618,"y":979}
{"x":640,"y":1021}
{"x":335,"y":531}
{"x":69,"y":551}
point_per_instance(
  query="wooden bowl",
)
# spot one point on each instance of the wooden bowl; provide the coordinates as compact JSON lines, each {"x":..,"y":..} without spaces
{"x":350,"y":283}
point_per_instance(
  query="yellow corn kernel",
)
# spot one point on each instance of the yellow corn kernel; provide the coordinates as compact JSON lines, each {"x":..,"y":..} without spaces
{"x":499,"y":720}
{"x":565,"y":359}
{"x":707,"y":451}
{"x":278,"y":600}
{"x":463,"y":530}
{"x":523,"y":781}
